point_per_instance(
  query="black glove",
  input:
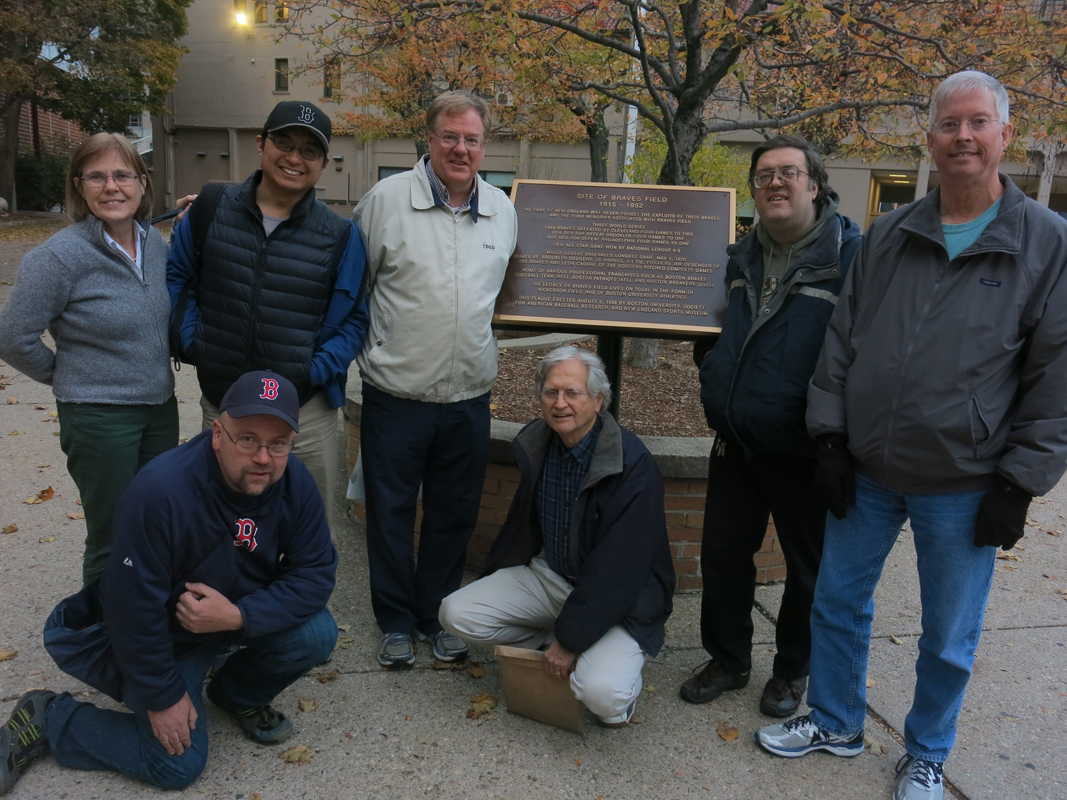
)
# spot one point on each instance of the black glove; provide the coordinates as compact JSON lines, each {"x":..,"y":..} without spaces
{"x":835,"y":474}
{"x":1001,"y":515}
{"x":701,"y":347}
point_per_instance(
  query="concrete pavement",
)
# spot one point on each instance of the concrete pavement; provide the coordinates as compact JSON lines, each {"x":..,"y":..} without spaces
{"x":387,"y":735}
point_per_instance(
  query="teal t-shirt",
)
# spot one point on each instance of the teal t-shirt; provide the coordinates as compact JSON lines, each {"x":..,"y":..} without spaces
{"x":959,"y":237}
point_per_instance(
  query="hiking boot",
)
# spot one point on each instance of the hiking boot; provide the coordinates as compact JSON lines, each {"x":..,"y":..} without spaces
{"x":800,"y":736}
{"x":781,"y":696}
{"x":396,"y":650}
{"x":262,"y":724}
{"x":919,"y":779}
{"x":446,"y":647}
{"x":710,"y":682}
{"x":23,"y":738}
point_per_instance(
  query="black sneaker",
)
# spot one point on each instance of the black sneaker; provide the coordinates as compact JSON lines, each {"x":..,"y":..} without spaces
{"x":22,"y":739}
{"x":710,"y":682}
{"x":781,"y":696}
{"x":262,"y":724}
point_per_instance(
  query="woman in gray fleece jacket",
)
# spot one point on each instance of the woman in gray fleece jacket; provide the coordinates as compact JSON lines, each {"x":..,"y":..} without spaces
{"x":99,"y":287}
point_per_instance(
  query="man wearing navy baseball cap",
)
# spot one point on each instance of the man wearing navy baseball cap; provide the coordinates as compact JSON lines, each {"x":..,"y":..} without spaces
{"x":218,"y":543}
{"x":263,"y":275}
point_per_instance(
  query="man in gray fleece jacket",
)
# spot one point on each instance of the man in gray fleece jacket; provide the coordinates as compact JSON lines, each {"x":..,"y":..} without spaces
{"x":940,"y":396}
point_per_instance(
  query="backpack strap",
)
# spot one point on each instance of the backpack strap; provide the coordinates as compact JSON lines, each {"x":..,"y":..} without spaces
{"x":201,"y":214}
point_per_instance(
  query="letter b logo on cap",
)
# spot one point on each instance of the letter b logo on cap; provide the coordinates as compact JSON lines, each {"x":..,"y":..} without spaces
{"x":270,"y":389}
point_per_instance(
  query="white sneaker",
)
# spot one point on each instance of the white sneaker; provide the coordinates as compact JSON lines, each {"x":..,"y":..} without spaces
{"x":919,"y":779}
{"x":801,"y":736}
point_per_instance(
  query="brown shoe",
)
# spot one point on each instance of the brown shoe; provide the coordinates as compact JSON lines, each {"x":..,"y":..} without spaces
{"x":781,"y":697}
{"x":710,"y":682}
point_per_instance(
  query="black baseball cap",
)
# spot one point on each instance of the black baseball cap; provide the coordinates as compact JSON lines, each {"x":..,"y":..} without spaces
{"x":297,"y":113}
{"x":262,"y":392}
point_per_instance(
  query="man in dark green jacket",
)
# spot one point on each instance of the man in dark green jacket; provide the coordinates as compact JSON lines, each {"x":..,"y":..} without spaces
{"x":783,"y":281}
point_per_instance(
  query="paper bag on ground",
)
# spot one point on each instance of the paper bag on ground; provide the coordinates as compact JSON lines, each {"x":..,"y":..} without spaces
{"x":530,"y":692}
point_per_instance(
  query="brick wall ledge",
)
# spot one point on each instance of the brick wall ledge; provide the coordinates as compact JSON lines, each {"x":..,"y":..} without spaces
{"x":683,"y":463}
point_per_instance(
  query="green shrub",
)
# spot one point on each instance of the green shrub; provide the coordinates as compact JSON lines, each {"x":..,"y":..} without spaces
{"x":41,"y":184}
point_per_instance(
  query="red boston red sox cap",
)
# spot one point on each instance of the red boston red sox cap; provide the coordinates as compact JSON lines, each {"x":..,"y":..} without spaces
{"x":262,"y":392}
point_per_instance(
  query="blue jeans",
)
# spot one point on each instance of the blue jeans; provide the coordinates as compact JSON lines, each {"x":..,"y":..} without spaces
{"x":82,"y":736}
{"x":954,"y":581}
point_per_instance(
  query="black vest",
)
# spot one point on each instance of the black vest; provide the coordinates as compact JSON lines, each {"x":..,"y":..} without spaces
{"x":262,"y":299}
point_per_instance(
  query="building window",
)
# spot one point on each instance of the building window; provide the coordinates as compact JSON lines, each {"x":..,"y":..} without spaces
{"x":281,"y":74}
{"x":260,"y":12}
{"x":385,"y":172}
{"x":331,"y":79}
{"x":281,"y":11}
{"x":134,"y":121}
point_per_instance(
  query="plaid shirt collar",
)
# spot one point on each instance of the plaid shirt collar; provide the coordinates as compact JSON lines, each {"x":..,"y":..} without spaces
{"x":441,"y":197}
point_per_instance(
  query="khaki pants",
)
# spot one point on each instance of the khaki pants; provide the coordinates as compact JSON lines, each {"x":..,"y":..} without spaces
{"x":518,"y":606}
{"x":315,"y":445}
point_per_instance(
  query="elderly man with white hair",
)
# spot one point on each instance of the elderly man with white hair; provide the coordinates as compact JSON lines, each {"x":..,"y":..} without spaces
{"x":940,"y":396}
{"x":581,"y":566}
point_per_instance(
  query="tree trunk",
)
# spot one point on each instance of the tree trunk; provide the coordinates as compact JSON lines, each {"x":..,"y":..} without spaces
{"x":643,"y":353}
{"x":9,"y":149}
{"x":597,"y":133}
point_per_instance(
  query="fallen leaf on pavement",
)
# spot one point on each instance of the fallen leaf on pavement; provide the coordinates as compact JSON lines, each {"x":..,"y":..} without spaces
{"x":9,"y":528}
{"x":76,"y":514}
{"x":481,"y":704}
{"x":307,"y":704}
{"x":446,"y":665}
{"x":297,"y":755}
{"x":7,"y":655}
{"x":46,"y":539}
{"x":35,"y":672}
{"x":41,"y":408}
{"x":78,"y":501}
{"x":475,"y":669}
{"x":256,"y":796}
{"x":895,"y":640}
{"x":650,"y":688}
{"x":727,"y":732}
{"x":12,"y":401}
{"x":876,"y":747}
{"x":345,"y":642}
{"x":870,"y":683}
{"x":42,"y":466}
{"x":329,"y":676}
{"x":32,"y":501}
{"x":13,"y":433}
{"x":46,"y":494}
{"x":1008,"y":557}
{"x":344,"y":628}
{"x":577,"y":762}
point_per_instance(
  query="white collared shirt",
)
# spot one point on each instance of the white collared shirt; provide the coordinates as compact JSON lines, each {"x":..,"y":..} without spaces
{"x":136,"y":260}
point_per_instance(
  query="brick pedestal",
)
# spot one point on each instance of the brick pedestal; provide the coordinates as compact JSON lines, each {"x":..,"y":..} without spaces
{"x":681,"y":462}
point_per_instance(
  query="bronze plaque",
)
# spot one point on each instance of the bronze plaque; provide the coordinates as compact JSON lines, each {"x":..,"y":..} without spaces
{"x":618,"y":257}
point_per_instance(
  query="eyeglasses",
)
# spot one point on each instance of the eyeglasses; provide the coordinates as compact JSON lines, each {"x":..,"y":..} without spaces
{"x":308,"y":152}
{"x":976,"y":125}
{"x":451,"y":140}
{"x":570,"y":395}
{"x":99,"y":179}
{"x":249,"y":446}
{"x":761,"y":180}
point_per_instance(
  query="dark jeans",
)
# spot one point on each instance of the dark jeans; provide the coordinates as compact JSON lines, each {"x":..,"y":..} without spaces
{"x":741,"y":495}
{"x":443,"y":447}
{"x":105,"y":446}
{"x":83,"y":736}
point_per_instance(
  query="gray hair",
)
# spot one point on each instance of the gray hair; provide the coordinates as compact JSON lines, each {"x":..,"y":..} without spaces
{"x":596,"y":381}
{"x":965,"y":83}
{"x":455,"y":103}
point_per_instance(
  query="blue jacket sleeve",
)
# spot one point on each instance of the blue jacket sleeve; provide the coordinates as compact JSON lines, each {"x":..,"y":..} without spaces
{"x":307,"y":573}
{"x":345,"y":326}
{"x":137,"y":587}
{"x":181,"y":284}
